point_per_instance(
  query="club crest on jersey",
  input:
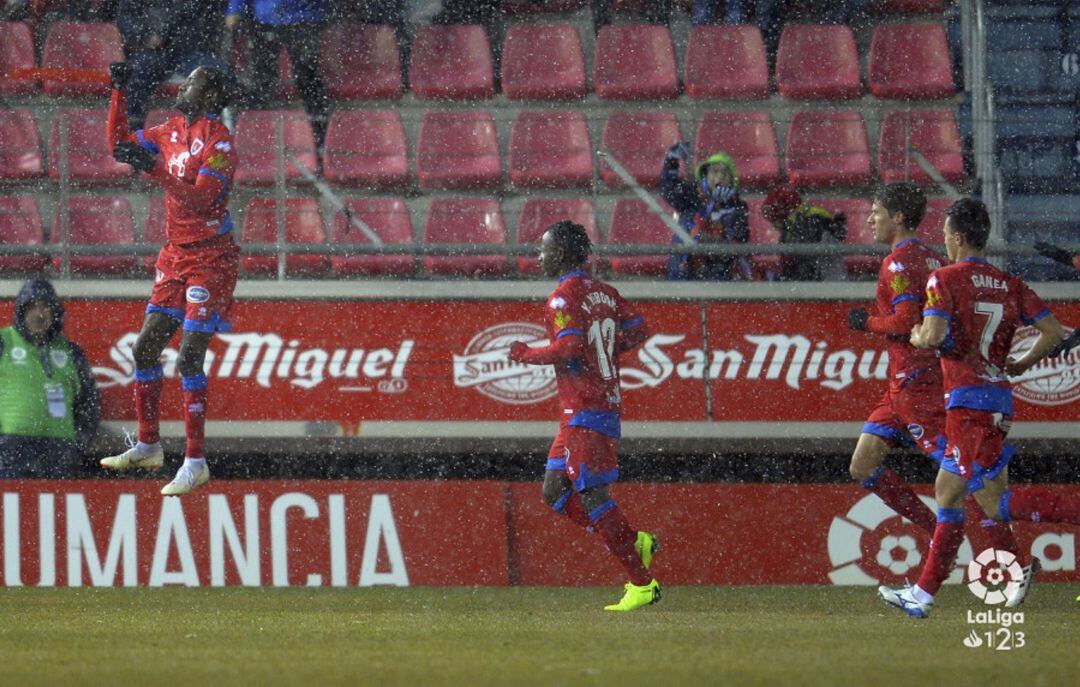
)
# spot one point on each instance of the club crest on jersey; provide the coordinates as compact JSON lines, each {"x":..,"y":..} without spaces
{"x":561,"y":319}
{"x":173,"y":138}
{"x":899,"y":284}
{"x":196,"y":146}
{"x":197,"y":294}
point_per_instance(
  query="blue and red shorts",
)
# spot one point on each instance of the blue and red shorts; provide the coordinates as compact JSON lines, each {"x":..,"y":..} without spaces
{"x":194,"y":283}
{"x":976,"y":445}
{"x":588,"y":458}
{"x":914,"y":413}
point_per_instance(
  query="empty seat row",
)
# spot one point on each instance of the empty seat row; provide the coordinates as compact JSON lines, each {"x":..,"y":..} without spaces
{"x":108,"y":220}
{"x":548,"y":149}
{"x":547,"y":62}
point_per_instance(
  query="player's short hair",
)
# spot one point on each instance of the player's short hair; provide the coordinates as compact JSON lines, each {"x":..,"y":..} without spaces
{"x":219,"y":81}
{"x":903,"y":197}
{"x":574,"y":240}
{"x":969,"y":218}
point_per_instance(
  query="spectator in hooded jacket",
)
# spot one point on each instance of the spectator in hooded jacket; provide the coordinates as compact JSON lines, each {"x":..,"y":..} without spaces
{"x":709,"y":209}
{"x":49,"y":404}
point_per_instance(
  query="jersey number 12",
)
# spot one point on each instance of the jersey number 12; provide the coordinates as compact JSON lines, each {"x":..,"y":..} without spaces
{"x":602,"y":336}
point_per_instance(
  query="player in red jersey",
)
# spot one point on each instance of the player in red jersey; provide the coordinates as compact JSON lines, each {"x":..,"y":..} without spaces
{"x":973,"y":309}
{"x":912,"y":410}
{"x":589,"y":325}
{"x":192,"y":157}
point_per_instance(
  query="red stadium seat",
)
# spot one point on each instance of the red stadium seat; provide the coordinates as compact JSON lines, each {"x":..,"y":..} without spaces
{"x":762,"y":232}
{"x":89,"y":159}
{"x":550,"y":149}
{"x":915,"y":6}
{"x":240,"y":56}
{"x":828,"y":148}
{"x":465,"y":220}
{"x":303,"y":224}
{"x":543,"y":62}
{"x":85,"y":46}
{"x":256,"y":145}
{"x":20,"y":225}
{"x":153,"y":230}
{"x":818,"y":62}
{"x":451,"y":63}
{"x":635,"y":62}
{"x":16,"y":52}
{"x":858,"y":231}
{"x":931,"y":132}
{"x":366,"y":148}
{"x":638,"y":140}
{"x":933,"y":223}
{"x":96,"y":220}
{"x":537,"y":214}
{"x":750,"y":140}
{"x":20,"y":146}
{"x":633,"y":222}
{"x":726,"y":62}
{"x":910,"y":61}
{"x":361,"y":62}
{"x":458,"y":149}
{"x":389,"y":219}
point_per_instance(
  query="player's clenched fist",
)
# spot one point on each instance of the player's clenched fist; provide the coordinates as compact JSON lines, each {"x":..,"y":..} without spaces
{"x":518,"y":349}
{"x":135,"y":155}
{"x":119,"y":75}
{"x":856,"y":319}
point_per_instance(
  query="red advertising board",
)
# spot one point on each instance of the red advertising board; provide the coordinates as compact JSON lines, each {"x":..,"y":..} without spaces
{"x":320,"y":533}
{"x":349,"y":362}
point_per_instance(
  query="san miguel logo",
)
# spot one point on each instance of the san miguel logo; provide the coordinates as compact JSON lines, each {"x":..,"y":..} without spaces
{"x":268,"y":359}
{"x":1053,"y":381}
{"x":485,"y":366}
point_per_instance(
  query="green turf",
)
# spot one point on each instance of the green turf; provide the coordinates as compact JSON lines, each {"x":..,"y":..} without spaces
{"x":695,"y":636}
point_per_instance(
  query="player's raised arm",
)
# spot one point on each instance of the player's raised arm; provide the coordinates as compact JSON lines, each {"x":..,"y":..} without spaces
{"x":118,"y":131}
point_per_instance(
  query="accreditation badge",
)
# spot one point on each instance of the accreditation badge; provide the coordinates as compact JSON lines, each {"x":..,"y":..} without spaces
{"x":56,"y":399}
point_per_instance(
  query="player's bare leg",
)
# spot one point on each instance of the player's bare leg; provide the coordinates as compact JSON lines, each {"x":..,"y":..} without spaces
{"x":869,"y":471}
{"x":158,"y":328}
{"x":622,"y":542}
{"x":194,"y":472}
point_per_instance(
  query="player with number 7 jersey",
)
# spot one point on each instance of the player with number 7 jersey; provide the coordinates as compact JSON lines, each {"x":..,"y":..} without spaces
{"x":589,"y":325}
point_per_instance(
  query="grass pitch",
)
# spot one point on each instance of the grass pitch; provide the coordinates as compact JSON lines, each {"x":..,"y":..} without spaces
{"x":519,"y":636}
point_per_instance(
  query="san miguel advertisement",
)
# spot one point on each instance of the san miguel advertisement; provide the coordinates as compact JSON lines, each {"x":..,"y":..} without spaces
{"x":347,"y":362}
{"x":360,"y":534}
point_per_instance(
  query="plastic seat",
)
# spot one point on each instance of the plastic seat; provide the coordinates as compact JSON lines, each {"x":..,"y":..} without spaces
{"x":96,"y":220}
{"x":537,"y":214}
{"x":240,"y":58}
{"x":633,"y":222}
{"x":89,"y":158}
{"x":451,"y":63}
{"x":933,"y":223}
{"x":858,"y":231}
{"x":635,"y":62}
{"x":543,"y":62}
{"x":763,"y":233}
{"x":303,"y":224}
{"x":749,"y":138}
{"x":153,"y":230}
{"x":361,"y":62}
{"x":638,"y":140}
{"x":465,"y":220}
{"x":16,"y":52}
{"x":20,"y":225}
{"x":550,"y":149}
{"x":83,"y":46}
{"x":20,"y":146}
{"x":389,"y":219}
{"x":914,"y":6}
{"x":828,"y":148}
{"x":910,"y":61}
{"x":931,"y":132}
{"x":458,"y":149}
{"x":742,"y":74}
{"x":256,"y":145}
{"x":818,"y":62}
{"x":366,"y":148}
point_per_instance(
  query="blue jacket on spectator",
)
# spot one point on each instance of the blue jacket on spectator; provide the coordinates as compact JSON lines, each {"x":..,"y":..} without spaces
{"x":708,"y":214}
{"x":280,"y":12}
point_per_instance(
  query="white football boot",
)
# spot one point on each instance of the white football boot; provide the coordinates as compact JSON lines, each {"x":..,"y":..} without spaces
{"x":138,"y":455}
{"x":904,"y":599}
{"x":187,"y":479}
{"x":1030,"y":571}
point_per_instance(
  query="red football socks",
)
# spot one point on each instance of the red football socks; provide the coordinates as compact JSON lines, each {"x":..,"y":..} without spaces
{"x":898,"y":495}
{"x":195,"y":422}
{"x":999,"y":534}
{"x":1039,"y":504}
{"x":148,"y":409}
{"x":576,"y":512}
{"x":948,"y":535}
{"x":620,"y":540}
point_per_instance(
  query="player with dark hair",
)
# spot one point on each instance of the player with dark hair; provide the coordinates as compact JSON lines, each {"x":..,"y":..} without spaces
{"x":192,"y":157}
{"x":972,"y":311}
{"x":589,"y":325}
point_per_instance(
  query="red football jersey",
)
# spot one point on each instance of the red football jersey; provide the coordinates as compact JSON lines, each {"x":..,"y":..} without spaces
{"x":195,"y":165}
{"x":984,"y":307}
{"x":589,"y":385}
{"x":903,"y":277}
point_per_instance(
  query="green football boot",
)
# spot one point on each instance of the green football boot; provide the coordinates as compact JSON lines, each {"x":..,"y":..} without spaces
{"x":636,"y":597}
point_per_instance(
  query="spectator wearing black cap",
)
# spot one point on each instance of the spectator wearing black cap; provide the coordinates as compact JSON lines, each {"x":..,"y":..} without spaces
{"x":798,"y":222}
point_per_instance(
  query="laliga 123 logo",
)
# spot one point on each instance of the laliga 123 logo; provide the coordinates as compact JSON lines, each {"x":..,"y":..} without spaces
{"x":1053,"y":381}
{"x":485,"y":366}
{"x":871,"y":544}
{"x":994,"y":576}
